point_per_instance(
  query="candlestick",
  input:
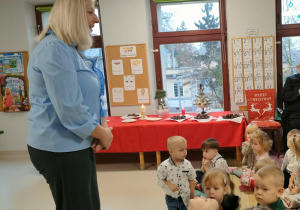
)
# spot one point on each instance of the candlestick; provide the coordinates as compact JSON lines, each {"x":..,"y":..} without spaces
{"x":143,"y":111}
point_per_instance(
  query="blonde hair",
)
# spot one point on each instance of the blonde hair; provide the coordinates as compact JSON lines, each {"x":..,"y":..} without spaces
{"x":294,"y":143}
{"x":263,"y":139}
{"x":272,"y":171}
{"x":251,"y":128}
{"x":293,"y":132}
{"x":69,"y":22}
{"x":7,"y":91}
{"x":173,"y":142}
{"x":264,"y":162}
{"x":290,"y":134}
{"x":218,"y":175}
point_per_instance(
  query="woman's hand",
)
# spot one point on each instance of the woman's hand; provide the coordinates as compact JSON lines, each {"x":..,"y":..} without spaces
{"x":103,"y":135}
{"x":96,"y":145}
{"x":107,"y":138}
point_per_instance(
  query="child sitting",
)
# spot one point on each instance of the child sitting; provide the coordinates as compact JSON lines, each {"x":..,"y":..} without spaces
{"x":211,"y":158}
{"x":249,"y":157}
{"x":217,"y":185}
{"x":261,"y":145}
{"x":289,"y":159}
{"x":247,"y":179}
{"x":291,"y":196}
{"x":268,"y":187}
{"x":176,"y":175}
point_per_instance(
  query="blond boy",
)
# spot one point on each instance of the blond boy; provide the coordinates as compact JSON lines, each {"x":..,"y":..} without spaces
{"x":176,"y":175}
{"x":268,"y":187}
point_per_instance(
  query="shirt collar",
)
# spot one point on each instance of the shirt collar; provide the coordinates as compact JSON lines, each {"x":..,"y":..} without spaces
{"x":172,"y":162}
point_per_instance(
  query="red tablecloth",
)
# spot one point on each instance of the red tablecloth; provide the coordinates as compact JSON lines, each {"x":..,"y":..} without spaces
{"x":147,"y":136}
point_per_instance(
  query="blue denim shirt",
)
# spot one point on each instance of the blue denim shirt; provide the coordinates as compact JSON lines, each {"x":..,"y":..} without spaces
{"x":64,"y":93}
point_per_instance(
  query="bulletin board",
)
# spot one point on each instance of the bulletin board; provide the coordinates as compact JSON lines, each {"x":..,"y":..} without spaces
{"x":253,"y":65}
{"x":128,"y":76}
{"x":14,"y":81}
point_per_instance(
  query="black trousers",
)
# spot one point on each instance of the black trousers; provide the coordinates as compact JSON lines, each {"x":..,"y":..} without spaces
{"x":71,"y":177}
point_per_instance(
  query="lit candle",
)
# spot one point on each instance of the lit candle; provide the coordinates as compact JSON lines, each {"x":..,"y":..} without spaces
{"x":182,"y":111}
{"x":143,"y":111}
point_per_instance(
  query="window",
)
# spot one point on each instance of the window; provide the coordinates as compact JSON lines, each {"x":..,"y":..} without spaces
{"x":191,"y":44}
{"x":42,"y":16}
{"x":288,"y":42}
{"x":178,"y":89}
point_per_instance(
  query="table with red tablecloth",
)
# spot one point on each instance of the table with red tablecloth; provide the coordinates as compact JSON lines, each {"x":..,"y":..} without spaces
{"x":147,"y":136}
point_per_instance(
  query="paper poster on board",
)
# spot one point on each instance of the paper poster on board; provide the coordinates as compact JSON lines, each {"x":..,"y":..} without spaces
{"x":117,"y":67}
{"x":13,"y":93}
{"x":136,"y":66}
{"x":128,"y":51}
{"x":118,"y":95}
{"x":11,"y":63}
{"x":143,"y":95}
{"x":129,"y":82}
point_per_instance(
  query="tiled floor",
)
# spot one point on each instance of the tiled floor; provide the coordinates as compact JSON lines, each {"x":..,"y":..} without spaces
{"x":121,"y":186}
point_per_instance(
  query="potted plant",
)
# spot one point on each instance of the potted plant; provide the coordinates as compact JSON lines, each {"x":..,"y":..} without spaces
{"x":162,"y":109}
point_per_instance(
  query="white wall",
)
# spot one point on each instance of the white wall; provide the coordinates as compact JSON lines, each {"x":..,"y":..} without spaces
{"x":129,"y":23}
{"x":122,"y":23}
{"x":242,"y":15}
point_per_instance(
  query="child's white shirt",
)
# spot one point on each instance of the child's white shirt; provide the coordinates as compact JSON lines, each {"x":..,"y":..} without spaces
{"x":288,"y":161}
{"x":178,"y":175}
{"x":296,"y":177}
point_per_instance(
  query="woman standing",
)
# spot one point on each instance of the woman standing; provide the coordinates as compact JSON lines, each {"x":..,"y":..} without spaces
{"x":66,"y":122}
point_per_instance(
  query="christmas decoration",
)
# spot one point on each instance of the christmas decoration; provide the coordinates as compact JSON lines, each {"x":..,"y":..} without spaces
{"x":202,"y":100}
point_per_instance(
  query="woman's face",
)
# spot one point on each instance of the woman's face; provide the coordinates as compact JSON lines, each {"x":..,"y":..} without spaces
{"x":91,"y":16}
{"x":204,"y":203}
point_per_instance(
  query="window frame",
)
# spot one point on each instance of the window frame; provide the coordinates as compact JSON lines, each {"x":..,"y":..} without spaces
{"x":179,"y":89}
{"x":282,"y":31}
{"x":193,"y":36}
{"x":97,"y":43}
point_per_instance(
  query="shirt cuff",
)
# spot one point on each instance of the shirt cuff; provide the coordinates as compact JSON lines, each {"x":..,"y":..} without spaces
{"x":85,"y":130}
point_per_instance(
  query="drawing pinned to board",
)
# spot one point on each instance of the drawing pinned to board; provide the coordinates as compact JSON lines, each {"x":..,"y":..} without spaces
{"x":117,"y":67}
{"x":136,"y":66}
{"x":129,"y":82}
{"x":118,"y":95}
{"x":143,"y":95}
{"x":13,"y":92}
{"x":128,"y":51}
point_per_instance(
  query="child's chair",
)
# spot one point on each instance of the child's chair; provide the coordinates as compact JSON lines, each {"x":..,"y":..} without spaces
{"x":261,"y":111}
